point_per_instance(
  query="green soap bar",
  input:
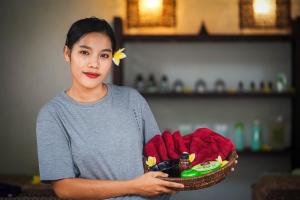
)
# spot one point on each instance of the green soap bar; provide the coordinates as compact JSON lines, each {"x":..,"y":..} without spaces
{"x":207,"y":167}
{"x":188,"y":173}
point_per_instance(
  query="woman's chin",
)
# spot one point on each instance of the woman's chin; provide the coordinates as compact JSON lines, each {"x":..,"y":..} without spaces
{"x":91,"y":85}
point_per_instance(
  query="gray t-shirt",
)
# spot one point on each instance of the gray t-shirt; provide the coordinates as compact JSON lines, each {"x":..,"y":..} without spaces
{"x":98,"y":140}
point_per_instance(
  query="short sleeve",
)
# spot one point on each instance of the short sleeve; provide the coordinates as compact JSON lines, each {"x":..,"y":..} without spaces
{"x":54,"y":154}
{"x":149,"y":124}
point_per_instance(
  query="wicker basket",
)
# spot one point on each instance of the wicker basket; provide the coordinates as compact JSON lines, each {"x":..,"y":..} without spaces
{"x":206,"y":180}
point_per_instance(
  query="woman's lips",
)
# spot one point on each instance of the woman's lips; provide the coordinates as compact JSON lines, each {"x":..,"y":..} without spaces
{"x":91,"y":75}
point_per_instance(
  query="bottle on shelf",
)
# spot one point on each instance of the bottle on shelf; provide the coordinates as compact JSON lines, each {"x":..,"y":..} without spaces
{"x":178,"y":86}
{"x":264,"y":87}
{"x":139,"y":83}
{"x":164,"y":85}
{"x":252,"y":86}
{"x":200,"y":86}
{"x":220,"y":85}
{"x":151,"y":84}
{"x":238,"y":137}
{"x":240,"y":86}
{"x":281,"y":82}
{"x":277,"y":134}
{"x":221,"y":128}
{"x":270,"y":86}
{"x":185,"y":128}
{"x":256,"y":135}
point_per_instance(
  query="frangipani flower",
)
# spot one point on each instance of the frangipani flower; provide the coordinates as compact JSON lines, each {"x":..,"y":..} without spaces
{"x":192,"y":157}
{"x":223,"y":162}
{"x":118,"y":55}
{"x":151,"y":161}
{"x":219,"y":159}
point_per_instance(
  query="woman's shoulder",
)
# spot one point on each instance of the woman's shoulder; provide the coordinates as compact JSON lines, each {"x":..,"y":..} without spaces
{"x":124,"y":90}
{"x":48,"y":110}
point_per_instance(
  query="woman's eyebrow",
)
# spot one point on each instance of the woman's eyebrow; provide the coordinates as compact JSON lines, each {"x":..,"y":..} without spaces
{"x":86,"y":47}
{"x":106,"y":50}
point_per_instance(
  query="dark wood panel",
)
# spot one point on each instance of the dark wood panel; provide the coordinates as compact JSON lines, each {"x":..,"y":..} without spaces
{"x":296,"y":100}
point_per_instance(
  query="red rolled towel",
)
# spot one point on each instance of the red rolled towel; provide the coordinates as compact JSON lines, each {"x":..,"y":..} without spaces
{"x":150,"y":150}
{"x":208,"y":145}
{"x":170,"y":146}
{"x":179,"y":143}
{"x":156,"y":147}
{"x":187,"y":140}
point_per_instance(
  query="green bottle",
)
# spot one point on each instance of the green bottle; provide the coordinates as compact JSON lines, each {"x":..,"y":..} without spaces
{"x":256,"y":135}
{"x":238,"y":137}
{"x":277,"y":134}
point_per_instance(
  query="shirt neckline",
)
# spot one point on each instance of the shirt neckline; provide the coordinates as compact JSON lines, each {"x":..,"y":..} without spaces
{"x":88,"y":104}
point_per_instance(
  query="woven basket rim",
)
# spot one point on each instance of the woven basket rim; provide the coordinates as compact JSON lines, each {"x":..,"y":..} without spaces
{"x":212,"y":178}
{"x":232,"y":158}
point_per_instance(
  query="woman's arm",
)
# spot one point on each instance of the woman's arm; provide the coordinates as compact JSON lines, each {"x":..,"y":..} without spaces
{"x":145,"y":185}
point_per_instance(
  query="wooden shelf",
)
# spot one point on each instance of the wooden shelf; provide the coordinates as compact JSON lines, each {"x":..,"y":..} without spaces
{"x":207,"y":38}
{"x":219,"y":95}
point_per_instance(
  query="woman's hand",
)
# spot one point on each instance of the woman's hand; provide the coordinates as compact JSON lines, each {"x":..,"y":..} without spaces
{"x":149,"y":185}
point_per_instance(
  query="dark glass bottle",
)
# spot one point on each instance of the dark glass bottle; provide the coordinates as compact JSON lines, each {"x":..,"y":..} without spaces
{"x":184,"y":162}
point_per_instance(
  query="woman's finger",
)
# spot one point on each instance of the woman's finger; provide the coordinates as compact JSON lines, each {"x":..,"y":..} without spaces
{"x":171,"y":184}
{"x":158,"y":174}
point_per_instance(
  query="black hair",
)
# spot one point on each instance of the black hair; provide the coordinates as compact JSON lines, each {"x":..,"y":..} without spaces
{"x":88,"y":25}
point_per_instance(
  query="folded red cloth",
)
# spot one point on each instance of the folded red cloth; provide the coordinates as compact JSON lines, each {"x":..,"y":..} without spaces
{"x":205,"y":143}
{"x":156,"y":147}
{"x":180,"y":146}
{"x":187,"y":139}
{"x":208,"y":145}
{"x":170,"y":146}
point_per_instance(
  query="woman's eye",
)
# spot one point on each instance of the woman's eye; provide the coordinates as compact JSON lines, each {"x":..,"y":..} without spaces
{"x":84,"y":52}
{"x":105,"y":55}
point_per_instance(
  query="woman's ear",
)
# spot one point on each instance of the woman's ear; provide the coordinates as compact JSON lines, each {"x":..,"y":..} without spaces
{"x":67,"y":54}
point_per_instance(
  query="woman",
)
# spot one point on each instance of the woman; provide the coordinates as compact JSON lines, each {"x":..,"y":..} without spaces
{"x":90,"y":137}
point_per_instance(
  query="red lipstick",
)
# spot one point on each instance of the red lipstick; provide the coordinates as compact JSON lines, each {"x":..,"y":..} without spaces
{"x":91,"y":75}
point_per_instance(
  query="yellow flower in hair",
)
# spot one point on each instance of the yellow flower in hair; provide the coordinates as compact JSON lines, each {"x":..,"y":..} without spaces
{"x":151,"y":161}
{"x":118,"y":56}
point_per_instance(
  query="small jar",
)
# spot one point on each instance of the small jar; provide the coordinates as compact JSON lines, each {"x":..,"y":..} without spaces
{"x":184,"y":162}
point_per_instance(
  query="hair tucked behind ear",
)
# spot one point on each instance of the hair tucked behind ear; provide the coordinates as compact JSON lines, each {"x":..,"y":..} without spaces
{"x":89,"y":25}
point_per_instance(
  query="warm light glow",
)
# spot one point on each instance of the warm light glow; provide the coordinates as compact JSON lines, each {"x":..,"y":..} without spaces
{"x":264,"y":12}
{"x":150,"y":10}
{"x":150,"y":5}
{"x":263,"y":6}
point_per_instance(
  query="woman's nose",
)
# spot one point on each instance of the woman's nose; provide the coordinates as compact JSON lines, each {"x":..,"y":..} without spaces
{"x":94,"y":63}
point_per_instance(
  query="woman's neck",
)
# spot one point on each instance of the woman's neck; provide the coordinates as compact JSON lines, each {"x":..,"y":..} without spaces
{"x":86,"y":95}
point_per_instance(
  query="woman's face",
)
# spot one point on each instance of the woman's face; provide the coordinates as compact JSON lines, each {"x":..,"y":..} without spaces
{"x":90,"y":60}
